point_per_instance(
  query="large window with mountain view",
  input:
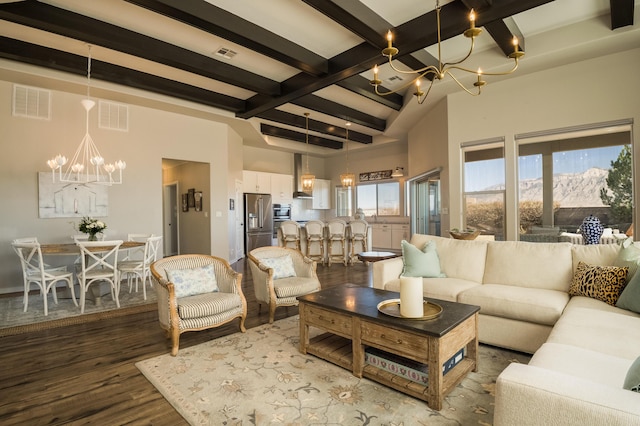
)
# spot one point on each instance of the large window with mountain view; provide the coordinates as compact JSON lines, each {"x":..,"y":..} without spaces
{"x":563,"y":178}
{"x":484,"y":187}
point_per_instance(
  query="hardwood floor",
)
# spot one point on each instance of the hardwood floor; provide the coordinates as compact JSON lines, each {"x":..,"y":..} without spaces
{"x":85,"y":373}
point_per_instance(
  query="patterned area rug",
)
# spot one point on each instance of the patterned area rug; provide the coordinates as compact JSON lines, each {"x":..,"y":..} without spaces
{"x":259,"y":378}
{"x":14,"y":321}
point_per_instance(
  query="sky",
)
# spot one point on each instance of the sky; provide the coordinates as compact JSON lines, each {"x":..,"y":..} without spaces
{"x":484,"y":174}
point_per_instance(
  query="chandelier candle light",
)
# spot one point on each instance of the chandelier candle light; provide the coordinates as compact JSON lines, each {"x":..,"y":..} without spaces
{"x":443,"y":69}
{"x":87,"y":165}
{"x":347,"y":179}
{"x":307,"y":179}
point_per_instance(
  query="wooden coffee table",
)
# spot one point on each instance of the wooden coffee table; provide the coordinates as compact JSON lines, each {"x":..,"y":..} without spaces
{"x":349,"y":315}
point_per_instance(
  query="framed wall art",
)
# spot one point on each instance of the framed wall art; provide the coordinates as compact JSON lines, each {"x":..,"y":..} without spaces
{"x":198,"y":200}
{"x":185,"y":202}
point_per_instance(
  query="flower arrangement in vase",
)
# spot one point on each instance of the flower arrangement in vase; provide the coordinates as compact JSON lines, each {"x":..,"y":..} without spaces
{"x":92,"y":227}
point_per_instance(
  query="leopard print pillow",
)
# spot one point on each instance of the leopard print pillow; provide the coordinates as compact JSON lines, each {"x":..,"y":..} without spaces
{"x":604,"y":283}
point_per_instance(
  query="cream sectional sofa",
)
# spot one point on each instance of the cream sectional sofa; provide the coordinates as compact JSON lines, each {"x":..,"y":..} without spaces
{"x":582,"y":348}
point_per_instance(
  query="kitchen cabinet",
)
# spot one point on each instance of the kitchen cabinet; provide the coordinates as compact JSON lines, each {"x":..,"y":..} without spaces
{"x":399,"y":232}
{"x":381,"y":236}
{"x":257,"y":182}
{"x":281,"y":188}
{"x":321,"y":194}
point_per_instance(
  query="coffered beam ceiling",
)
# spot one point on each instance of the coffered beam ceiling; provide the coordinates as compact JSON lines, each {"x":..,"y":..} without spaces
{"x":268,"y":97}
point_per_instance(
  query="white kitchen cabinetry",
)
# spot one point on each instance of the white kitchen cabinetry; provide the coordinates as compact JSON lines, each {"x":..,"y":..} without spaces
{"x":321,"y":194}
{"x":281,"y":189}
{"x":381,"y":236}
{"x":399,"y":232}
{"x":257,"y":182}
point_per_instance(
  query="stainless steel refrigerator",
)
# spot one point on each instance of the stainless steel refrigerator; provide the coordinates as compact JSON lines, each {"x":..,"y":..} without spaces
{"x":258,"y":221}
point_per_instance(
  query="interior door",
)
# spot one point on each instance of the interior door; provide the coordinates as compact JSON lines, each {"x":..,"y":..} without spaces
{"x":239,"y":216}
{"x":170,"y":219}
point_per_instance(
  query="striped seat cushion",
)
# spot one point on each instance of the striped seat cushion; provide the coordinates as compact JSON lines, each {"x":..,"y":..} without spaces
{"x":295,"y":286}
{"x":204,"y":305}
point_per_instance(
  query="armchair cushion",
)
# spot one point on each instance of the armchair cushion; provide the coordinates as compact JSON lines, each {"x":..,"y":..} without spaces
{"x":205,"y":305}
{"x":189,"y":282}
{"x":294,"y":286}
{"x":282,"y":266}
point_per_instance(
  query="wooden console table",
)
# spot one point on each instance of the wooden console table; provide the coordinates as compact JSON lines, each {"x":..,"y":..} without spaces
{"x":350,"y":316}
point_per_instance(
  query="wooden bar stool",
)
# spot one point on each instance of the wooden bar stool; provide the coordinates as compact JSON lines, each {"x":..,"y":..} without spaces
{"x":290,"y":231}
{"x":357,"y":238}
{"x":336,"y":235}
{"x":315,"y":237}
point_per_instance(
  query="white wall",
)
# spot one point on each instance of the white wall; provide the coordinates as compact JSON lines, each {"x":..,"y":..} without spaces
{"x":594,"y":91}
{"x":134,"y":206}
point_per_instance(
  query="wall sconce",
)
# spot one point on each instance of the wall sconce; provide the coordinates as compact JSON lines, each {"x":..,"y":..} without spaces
{"x":398,"y":172}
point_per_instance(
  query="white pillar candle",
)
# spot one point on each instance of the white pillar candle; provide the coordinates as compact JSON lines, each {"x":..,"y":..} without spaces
{"x":411,"y":298}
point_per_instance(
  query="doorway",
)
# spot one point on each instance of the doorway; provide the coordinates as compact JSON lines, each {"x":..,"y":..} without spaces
{"x":425,"y":203}
{"x":171,"y":226}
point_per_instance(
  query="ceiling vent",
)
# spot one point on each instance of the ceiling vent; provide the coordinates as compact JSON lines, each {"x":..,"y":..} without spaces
{"x":226,"y":53}
{"x":113,"y":116}
{"x":395,"y":78}
{"x":31,"y":102}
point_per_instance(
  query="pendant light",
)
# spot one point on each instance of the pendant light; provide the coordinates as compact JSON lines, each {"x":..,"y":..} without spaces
{"x":347,"y":179}
{"x":307,"y":180}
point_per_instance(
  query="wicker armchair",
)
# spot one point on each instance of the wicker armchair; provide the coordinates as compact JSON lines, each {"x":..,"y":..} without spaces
{"x":201,"y":311}
{"x":274,"y":291}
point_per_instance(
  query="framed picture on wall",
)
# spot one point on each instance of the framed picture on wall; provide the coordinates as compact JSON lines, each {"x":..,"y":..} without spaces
{"x":192,"y":201}
{"x":198,"y":200}
{"x":185,"y":202}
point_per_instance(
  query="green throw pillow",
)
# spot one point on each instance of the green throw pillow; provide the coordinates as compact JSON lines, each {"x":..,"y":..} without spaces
{"x":629,"y":256}
{"x":632,"y":381}
{"x":421,"y":263}
{"x":630,"y":297}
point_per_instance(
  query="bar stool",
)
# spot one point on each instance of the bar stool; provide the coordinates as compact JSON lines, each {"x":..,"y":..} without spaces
{"x":336,"y":234}
{"x":290,"y":231}
{"x":357,"y":238}
{"x":315,"y":237}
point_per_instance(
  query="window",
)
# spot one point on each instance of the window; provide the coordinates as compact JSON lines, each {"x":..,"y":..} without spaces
{"x":565,"y":177}
{"x":381,"y":199}
{"x":484,"y":187}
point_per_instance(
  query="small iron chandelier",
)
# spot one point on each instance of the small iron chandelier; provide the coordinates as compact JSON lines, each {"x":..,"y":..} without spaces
{"x":443,"y":69}
{"x":87,"y":165}
{"x":347,"y":179}
{"x":307,"y":180}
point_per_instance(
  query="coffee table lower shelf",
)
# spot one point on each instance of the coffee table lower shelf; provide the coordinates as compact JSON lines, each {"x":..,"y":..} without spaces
{"x":338,"y":351}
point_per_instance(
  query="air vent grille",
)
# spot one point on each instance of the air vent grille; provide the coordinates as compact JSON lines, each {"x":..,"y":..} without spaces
{"x":226,"y":53}
{"x":31,"y":102}
{"x":113,"y":116}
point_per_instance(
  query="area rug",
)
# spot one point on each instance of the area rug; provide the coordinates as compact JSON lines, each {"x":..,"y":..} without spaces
{"x":14,"y":321}
{"x":260,"y":378}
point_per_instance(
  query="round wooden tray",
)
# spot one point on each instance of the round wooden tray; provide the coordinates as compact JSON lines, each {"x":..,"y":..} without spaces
{"x":391,"y":307}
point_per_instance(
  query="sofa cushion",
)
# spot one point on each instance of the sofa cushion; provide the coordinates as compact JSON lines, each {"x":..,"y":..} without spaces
{"x":590,"y":303}
{"x":600,"y":282}
{"x":534,"y":305}
{"x":420,"y":261}
{"x":629,"y":256}
{"x":188,"y":282}
{"x":458,"y":258}
{"x":438,"y":288}
{"x":295,"y":286}
{"x":630,"y":297}
{"x":534,"y":265}
{"x":594,"y":254}
{"x":282,"y":266}
{"x":598,"y":330}
{"x":632,"y":379}
{"x":595,"y":366}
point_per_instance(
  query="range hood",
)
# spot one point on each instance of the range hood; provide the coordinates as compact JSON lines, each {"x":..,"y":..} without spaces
{"x":297,"y":172}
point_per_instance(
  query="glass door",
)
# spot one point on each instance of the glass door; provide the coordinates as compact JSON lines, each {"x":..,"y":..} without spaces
{"x":425,"y":203}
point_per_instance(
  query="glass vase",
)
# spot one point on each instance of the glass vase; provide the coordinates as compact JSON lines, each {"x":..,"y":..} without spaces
{"x":92,"y":237}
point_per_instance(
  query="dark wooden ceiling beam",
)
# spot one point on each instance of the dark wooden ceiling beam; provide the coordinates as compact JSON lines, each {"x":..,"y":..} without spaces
{"x":279,"y":132}
{"x":62,"y":61}
{"x":217,"y":21}
{"x":363,"y":87}
{"x":409,"y":37}
{"x":503,"y":36}
{"x":621,"y":13}
{"x":69,"y":24}
{"x":325,"y":106}
{"x":287,"y":118}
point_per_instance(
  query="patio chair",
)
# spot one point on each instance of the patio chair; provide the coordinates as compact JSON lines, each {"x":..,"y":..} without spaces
{"x":196,"y":292}
{"x":280,"y":275}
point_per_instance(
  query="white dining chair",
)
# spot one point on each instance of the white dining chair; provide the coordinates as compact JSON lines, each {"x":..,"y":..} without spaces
{"x":34,"y":272}
{"x":138,"y":270}
{"x":47,"y":267}
{"x":136,"y":253}
{"x":99,"y":261}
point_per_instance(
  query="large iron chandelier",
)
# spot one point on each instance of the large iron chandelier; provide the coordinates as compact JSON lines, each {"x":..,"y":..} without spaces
{"x":307,"y":180}
{"x":87,"y":165}
{"x":347,"y":179}
{"x":443,"y":69}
